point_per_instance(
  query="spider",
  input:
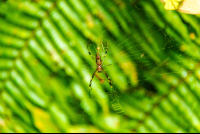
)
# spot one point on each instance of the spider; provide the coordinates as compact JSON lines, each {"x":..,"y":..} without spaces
{"x":99,"y":66}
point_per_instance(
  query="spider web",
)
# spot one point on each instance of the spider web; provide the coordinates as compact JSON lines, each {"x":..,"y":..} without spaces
{"x":141,"y":60}
{"x":132,"y":57}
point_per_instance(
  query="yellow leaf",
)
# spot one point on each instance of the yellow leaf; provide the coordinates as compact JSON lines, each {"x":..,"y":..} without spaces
{"x":172,"y":4}
{"x":185,"y":6}
{"x":43,"y":121}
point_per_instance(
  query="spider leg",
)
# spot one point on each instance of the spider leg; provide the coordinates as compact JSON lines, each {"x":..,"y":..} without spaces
{"x":89,"y":52}
{"x":92,"y":79}
{"x":92,"y":66}
{"x":105,"y":52}
{"x":101,"y":80}
{"x":108,"y":78}
{"x":106,"y":65}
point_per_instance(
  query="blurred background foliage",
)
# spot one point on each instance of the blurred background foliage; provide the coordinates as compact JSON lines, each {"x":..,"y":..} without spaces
{"x":45,"y":68}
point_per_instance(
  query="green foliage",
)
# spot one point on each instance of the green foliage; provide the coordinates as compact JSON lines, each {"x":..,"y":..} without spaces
{"x":45,"y":73}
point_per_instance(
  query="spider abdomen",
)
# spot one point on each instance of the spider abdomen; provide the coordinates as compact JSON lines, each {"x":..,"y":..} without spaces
{"x":99,"y":68}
